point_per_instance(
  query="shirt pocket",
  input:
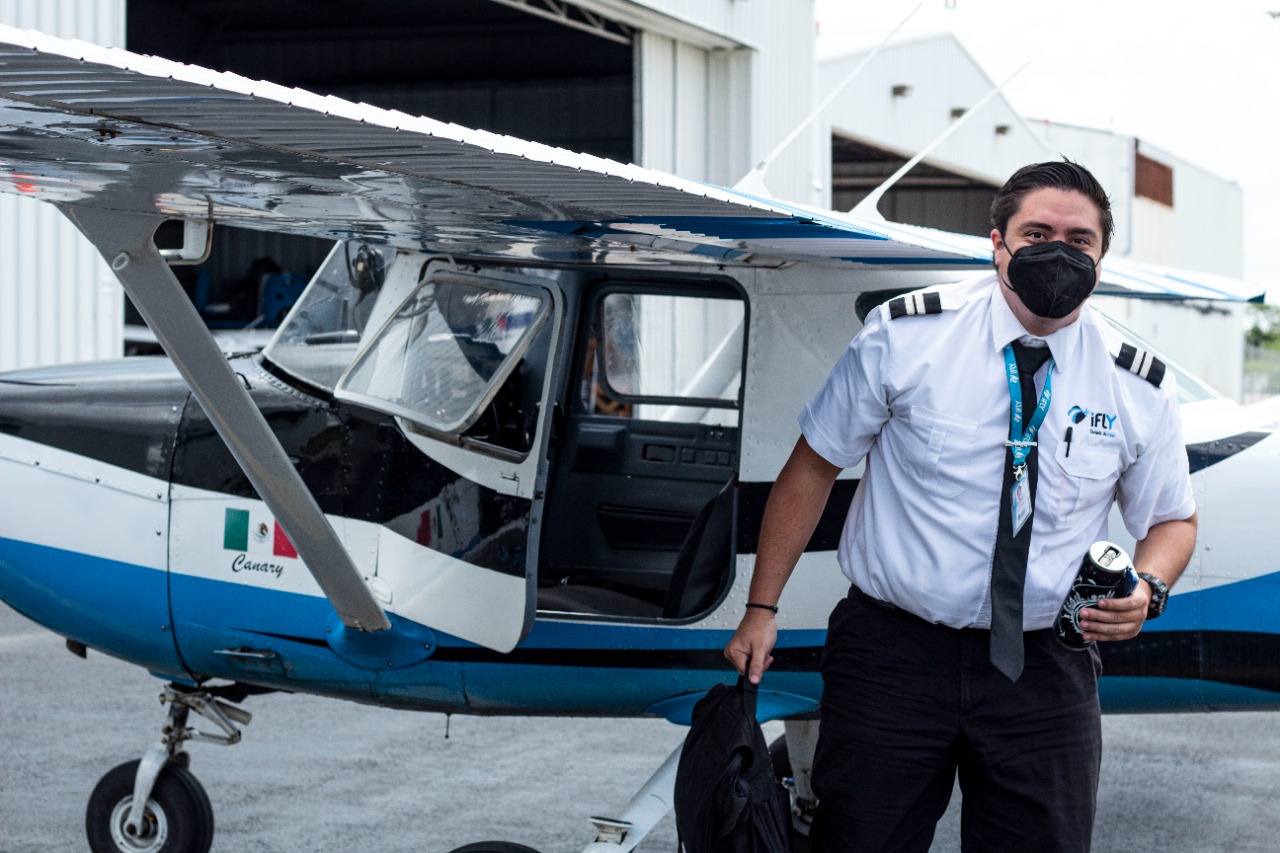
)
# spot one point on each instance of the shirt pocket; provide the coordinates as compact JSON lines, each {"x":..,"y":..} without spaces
{"x":1090,"y":473}
{"x":940,"y":451}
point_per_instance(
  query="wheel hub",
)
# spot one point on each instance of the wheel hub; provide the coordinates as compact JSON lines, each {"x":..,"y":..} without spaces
{"x":153,"y":834}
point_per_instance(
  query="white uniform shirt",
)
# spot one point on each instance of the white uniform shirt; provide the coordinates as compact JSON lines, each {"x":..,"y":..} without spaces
{"x":925,"y":399}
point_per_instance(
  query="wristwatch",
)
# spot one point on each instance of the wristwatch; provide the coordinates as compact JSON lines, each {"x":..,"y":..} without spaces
{"x":1159,"y":594}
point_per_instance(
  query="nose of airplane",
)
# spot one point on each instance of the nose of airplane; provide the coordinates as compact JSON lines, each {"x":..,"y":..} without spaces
{"x":85,"y":458}
{"x":124,"y":413}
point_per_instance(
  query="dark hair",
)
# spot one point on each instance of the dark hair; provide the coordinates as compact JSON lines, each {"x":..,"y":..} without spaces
{"x":1053,"y":175}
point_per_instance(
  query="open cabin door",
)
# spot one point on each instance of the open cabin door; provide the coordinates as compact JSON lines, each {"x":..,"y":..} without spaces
{"x":461,"y":363}
{"x":644,"y":492}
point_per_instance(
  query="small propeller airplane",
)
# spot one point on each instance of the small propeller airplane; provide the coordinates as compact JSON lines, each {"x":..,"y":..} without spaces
{"x":508,"y":453}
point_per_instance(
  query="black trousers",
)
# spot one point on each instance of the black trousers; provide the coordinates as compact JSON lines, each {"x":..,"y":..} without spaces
{"x":908,"y":706}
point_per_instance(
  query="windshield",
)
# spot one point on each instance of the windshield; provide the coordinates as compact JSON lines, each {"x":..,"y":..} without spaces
{"x":321,"y":335}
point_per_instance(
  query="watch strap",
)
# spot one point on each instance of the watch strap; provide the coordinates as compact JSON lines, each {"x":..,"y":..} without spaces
{"x":1159,"y":595}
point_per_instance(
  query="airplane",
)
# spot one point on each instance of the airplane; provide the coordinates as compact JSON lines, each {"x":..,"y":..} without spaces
{"x":509,"y":451}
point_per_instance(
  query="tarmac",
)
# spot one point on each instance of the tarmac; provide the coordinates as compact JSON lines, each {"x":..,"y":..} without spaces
{"x":317,"y":774}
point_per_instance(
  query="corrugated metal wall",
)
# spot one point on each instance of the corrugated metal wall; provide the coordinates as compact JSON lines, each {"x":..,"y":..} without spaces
{"x":1204,"y":228}
{"x":1207,"y":228}
{"x":58,"y":299}
{"x":711,"y":114}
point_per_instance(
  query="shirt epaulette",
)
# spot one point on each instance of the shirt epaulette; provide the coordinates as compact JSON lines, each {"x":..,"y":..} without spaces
{"x":1141,"y":363}
{"x":915,"y":304}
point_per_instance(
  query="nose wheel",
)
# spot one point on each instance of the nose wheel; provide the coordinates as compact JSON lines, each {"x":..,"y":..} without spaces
{"x":177,"y":817}
{"x":154,"y":804}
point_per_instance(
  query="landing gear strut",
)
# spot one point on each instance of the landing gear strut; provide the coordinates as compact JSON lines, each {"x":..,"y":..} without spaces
{"x":792,"y":756}
{"x":155,"y":804}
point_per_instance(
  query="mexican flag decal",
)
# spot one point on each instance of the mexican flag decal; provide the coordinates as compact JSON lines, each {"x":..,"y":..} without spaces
{"x":255,"y":533}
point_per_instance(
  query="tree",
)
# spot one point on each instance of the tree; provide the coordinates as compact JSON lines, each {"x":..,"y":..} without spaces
{"x":1265,"y":331}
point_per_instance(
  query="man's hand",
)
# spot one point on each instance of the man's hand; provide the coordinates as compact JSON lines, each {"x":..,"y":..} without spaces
{"x":1117,"y":618}
{"x":752,"y":644}
{"x":1164,"y":552}
{"x":795,"y":505}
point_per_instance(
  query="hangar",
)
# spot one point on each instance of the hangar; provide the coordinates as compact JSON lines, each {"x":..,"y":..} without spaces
{"x":1167,"y":210}
{"x":700,"y":88}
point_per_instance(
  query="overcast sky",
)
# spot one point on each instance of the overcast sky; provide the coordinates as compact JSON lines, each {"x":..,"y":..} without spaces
{"x":1199,"y":79}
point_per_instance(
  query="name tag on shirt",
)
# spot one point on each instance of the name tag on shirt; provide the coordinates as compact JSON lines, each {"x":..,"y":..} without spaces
{"x":1020,"y":502}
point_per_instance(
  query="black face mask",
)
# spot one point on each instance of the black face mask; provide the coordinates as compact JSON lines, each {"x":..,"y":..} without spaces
{"x":1051,"y":279}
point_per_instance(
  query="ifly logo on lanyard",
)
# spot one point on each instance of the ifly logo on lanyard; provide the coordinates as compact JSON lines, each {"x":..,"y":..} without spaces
{"x":1099,"y":423}
{"x":1015,"y":382}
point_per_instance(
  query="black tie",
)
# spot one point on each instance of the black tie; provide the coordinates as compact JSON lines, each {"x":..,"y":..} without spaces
{"x":1009,"y":566}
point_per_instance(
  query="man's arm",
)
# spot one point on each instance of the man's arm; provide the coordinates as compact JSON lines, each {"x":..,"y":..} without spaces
{"x":1164,"y":552}
{"x":795,"y":506}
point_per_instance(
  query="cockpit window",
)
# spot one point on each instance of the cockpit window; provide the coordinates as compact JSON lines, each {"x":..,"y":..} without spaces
{"x":322,"y":333}
{"x":443,"y":355}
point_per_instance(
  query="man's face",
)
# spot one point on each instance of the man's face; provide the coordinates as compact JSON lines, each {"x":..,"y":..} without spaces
{"x":1046,"y":215}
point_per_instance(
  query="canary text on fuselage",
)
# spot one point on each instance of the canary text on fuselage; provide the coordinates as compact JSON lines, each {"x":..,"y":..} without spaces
{"x":242,"y":563}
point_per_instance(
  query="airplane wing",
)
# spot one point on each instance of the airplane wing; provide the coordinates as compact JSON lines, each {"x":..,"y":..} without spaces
{"x":100,"y":127}
{"x":1121,"y":276}
{"x":1131,"y":278}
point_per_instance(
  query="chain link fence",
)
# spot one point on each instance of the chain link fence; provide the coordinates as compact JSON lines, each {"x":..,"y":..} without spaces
{"x":1261,"y":374}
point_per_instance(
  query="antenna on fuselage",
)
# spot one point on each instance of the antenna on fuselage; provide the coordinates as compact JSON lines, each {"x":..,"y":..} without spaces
{"x":753,"y":182}
{"x":868,"y":208}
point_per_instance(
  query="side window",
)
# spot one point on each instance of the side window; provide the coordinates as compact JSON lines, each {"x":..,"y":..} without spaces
{"x":665,"y":357}
{"x":443,"y":358}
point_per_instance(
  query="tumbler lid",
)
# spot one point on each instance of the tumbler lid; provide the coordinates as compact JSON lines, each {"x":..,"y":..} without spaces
{"x":1109,"y":557}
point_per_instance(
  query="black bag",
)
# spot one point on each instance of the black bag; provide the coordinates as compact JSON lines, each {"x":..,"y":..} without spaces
{"x":727,"y":798}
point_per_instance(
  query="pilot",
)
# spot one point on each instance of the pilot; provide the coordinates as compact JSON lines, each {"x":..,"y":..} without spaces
{"x":1000,"y":419}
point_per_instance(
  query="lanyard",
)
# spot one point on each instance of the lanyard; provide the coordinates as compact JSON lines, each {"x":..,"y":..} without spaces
{"x":1021,"y":442}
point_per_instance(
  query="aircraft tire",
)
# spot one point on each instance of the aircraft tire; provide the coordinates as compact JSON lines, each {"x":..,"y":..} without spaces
{"x":493,"y":847}
{"x":781,"y":760}
{"x":178,"y":812}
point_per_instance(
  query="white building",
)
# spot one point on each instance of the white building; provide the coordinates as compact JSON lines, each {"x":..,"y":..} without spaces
{"x":1167,"y":211}
{"x":58,"y":299}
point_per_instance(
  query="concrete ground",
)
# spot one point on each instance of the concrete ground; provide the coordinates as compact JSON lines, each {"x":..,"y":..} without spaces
{"x":316,"y":774}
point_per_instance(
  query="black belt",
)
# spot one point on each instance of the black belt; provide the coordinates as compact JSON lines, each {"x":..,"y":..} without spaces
{"x":858,"y":595}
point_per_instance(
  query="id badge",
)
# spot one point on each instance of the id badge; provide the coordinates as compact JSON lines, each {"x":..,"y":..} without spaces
{"x":1020,"y":503}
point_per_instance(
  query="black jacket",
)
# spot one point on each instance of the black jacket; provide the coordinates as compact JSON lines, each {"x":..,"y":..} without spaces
{"x":727,"y":798}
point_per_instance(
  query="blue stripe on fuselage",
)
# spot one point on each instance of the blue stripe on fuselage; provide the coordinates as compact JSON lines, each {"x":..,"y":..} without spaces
{"x":563,"y":667}
{"x":118,"y":608}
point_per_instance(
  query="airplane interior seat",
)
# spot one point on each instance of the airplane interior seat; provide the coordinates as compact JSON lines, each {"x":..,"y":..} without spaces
{"x":704,"y":558}
{"x":695,"y":580}
{"x":579,"y":598}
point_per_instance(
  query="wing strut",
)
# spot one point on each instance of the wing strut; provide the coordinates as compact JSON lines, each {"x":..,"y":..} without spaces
{"x":125,"y":241}
{"x":869,"y":206}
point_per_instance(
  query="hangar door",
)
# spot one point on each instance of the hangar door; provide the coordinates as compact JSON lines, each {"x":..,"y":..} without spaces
{"x":928,"y":195}
{"x":487,"y":65}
